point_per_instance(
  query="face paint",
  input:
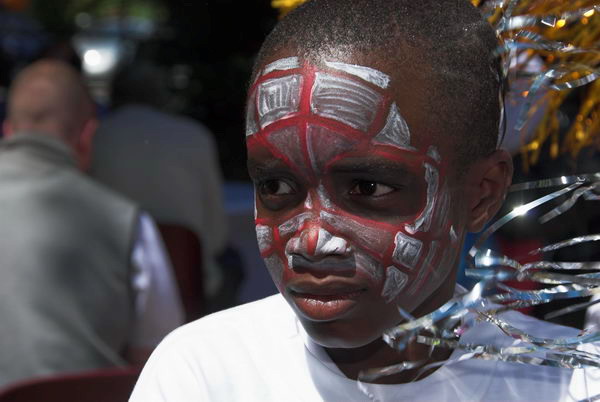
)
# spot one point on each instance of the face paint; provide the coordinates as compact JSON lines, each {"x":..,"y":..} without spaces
{"x":324,"y":198}
{"x":442,"y":207}
{"x":453,"y":235}
{"x":394,"y":283}
{"x":324,"y":144}
{"x":426,"y":268}
{"x":278,"y":98}
{"x":308,"y":204}
{"x":423,"y":222}
{"x":344,"y":100}
{"x":251,"y":124}
{"x":311,"y":119}
{"x":395,"y":132}
{"x":282,"y":64}
{"x":293,"y":225}
{"x":407,"y":250}
{"x":366,"y":73}
{"x":433,"y":153}
{"x":264,"y":235}
{"x":275,"y":267}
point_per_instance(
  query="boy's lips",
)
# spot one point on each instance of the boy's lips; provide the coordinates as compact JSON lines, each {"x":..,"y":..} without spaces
{"x":325,"y":300}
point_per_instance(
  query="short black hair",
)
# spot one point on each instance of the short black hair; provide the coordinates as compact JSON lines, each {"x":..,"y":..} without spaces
{"x":451,"y":36}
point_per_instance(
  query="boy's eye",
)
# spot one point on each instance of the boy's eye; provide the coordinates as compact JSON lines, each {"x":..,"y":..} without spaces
{"x":371,"y":189}
{"x":275,"y":187}
{"x":277,"y":194}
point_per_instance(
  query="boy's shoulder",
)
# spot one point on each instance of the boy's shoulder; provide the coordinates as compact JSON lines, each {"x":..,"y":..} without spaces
{"x":266,"y":309}
{"x":268,"y":317}
{"x":235,"y":354}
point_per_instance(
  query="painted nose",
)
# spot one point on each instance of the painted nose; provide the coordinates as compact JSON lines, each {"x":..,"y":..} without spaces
{"x":315,"y":243}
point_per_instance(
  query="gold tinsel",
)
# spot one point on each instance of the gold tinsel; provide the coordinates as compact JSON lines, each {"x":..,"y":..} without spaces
{"x":285,"y":6}
{"x":576,"y":25}
{"x":573,"y":23}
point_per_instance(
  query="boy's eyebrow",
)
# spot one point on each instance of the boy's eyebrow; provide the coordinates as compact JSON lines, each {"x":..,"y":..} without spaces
{"x":255,"y":165}
{"x":367,"y":166}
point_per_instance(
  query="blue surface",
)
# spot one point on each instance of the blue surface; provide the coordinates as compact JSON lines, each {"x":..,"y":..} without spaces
{"x":239,"y":197}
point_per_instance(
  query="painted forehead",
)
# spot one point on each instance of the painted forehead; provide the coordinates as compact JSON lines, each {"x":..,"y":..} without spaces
{"x":343,"y":100}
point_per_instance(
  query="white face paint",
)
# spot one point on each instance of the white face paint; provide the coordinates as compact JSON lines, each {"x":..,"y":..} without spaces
{"x":309,"y":142}
{"x":453,"y":235}
{"x":368,"y":74}
{"x":308,"y":203}
{"x":278,"y":98}
{"x":329,"y":244}
{"x":251,"y":124}
{"x":324,"y":198}
{"x":323,"y":145}
{"x":293,"y":225}
{"x":442,"y":206}
{"x":407,"y":250}
{"x":427,"y":267}
{"x":344,"y":100}
{"x":434,"y":154}
{"x":331,"y":254}
{"x":275,"y":267}
{"x":395,"y":132}
{"x":373,"y":238}
{"x":289,"y":63}
{"x":395,"y":281}
{"x":423,"y":222}
{"x":264,"y":235}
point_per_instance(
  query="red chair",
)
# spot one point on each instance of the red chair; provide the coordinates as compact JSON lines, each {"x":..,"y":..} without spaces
{"x":105,"y":385}
{"x":185,"y":251}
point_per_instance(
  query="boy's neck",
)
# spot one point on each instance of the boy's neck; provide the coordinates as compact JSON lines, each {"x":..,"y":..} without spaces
{"x":378,"y":354}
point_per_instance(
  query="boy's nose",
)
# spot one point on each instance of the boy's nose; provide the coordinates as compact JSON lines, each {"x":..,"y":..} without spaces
{"x":315,"y":243}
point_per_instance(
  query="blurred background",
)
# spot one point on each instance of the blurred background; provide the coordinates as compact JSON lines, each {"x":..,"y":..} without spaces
{"x":207,"y":46}
{"x":205,"y":50}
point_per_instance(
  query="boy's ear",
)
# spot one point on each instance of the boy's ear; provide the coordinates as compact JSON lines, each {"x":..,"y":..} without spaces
{"x":487,"y":183}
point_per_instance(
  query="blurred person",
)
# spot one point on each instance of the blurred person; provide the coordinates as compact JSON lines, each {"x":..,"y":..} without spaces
{"x":84,"y":281}
{"x":165,"y":162}
{"x":62,"y":49}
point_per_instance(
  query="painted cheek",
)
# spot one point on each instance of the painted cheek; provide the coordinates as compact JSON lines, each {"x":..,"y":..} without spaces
{"x":437,"y":250}
{"x":425,"y":250}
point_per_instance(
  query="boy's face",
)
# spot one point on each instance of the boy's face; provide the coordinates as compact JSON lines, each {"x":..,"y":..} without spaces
{"x":355,"y":208}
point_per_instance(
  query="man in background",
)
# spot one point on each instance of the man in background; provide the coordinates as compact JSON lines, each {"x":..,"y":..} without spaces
{"x":165,"y":162}
{"x":84,"y":281}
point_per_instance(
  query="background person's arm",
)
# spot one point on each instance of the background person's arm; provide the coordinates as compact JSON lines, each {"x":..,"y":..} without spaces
{"x":158,"y":308}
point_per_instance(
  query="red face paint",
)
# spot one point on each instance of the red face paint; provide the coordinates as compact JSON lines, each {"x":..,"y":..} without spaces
{"x":349,"y":212}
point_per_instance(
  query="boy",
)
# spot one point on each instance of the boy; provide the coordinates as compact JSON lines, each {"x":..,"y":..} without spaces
{"x":371,"y":132}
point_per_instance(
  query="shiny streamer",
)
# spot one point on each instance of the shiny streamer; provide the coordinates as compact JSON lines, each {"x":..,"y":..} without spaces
{"x":570,"y":309}
{"x":580,"y":192}
{"x":490,"y":298}
{"x":564,"y":39}
{"x":567,"y":41}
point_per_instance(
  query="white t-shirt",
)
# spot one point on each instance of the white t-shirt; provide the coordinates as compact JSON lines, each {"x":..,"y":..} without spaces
{"x":259,"y":352}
